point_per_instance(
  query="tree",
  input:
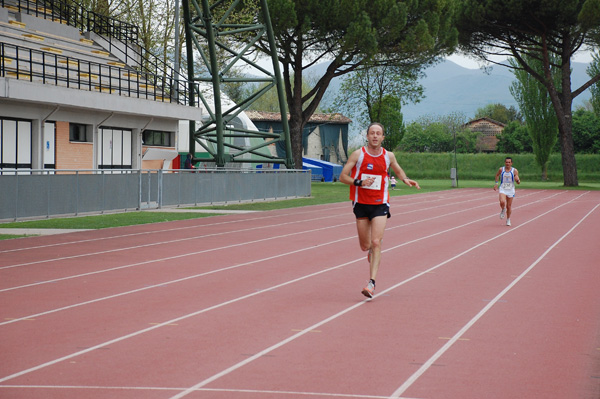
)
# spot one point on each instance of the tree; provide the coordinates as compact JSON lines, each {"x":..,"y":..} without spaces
{"x":269,"y":101}
{"x":593,"y":70}
{"x":498,"y":112}
{"x":156,"y":22}
{"x":106,"y":8}
{"x":445,"y":133}
{"x":368,"y":85}
{"x":387,"y":112}
{"x":586,"y":129}
{"x":428,"y":135}
{"x":535,"y":104}
{"x":514,"y":139}
{"x":520,"y":28}
{"x":347,"y":35}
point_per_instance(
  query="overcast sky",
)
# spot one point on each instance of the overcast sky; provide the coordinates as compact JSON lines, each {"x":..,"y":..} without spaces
{"x":465,"y":62}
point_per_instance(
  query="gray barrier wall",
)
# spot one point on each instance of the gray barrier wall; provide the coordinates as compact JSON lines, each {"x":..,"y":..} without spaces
{"x":45,"y":193}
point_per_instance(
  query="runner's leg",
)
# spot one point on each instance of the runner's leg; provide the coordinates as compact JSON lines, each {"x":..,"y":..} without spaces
{"x":363,"y":226}
{"x":509,"y":201}
{"x":502,"y":201}
{"x":377,"y":229}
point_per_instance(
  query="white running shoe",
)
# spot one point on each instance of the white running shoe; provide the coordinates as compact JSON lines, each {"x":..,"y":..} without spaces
{"x":502,"y":213}
{"x":368,"y":290}
{"x":508,"y":222}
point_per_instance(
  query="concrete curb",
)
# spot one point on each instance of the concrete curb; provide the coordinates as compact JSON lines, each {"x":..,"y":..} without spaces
{"x":38,"y":232}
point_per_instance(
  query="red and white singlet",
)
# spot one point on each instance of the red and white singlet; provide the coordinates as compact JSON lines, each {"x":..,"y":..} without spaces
{"x":371,"y":166}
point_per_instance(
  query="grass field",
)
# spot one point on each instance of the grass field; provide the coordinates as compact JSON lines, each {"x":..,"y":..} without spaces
{"x":321,"y":193}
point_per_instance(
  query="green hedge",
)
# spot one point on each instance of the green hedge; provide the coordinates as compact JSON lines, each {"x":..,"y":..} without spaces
{"x":484,"y":166}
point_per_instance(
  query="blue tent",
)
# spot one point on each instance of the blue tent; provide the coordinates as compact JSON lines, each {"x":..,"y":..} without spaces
{"x":315,"y":171}
{"x":331,"y":171}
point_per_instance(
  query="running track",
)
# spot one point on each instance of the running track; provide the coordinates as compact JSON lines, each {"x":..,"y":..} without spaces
{"x":268,"y":305}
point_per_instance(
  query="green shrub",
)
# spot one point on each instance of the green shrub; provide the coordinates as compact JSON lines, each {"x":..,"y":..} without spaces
{"x":484,"y":166}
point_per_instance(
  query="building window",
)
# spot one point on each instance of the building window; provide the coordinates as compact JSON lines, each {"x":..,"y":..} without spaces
{"x":80,"y":133}
{"x":15,"y":144}
{"x":157,"y":138}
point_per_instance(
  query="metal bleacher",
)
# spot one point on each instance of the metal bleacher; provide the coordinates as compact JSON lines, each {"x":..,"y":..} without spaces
{"x":86,"y":52}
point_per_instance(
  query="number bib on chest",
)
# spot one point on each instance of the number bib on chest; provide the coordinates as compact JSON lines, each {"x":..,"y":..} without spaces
{"x":376,"y":184}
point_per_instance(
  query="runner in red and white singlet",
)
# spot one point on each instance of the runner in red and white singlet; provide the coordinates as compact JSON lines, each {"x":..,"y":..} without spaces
{"x":366,"y":172}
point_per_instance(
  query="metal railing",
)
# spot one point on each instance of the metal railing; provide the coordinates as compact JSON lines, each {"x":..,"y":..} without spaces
{"x":49,"y":68}
{"x":31,"y":193}
{"x":77,"y":16}
{"x":121,"y":39}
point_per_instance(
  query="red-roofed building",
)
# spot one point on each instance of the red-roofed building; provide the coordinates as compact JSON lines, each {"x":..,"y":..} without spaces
{"x":489,"y":130}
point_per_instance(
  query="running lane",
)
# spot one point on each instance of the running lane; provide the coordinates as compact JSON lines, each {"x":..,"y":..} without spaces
{"x":268,"y":305}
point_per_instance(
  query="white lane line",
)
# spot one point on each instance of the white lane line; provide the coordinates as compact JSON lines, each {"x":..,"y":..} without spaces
{"x":174,"y":257}
{"x":175,"y":320}
{"x":178,"y":319}
{"x":262,"y":217}
{"x":412,"y":379}
{"x":163,"y":242}
{"x":188,"y":254}
{"x":172,"y":282}
{"x":304,"y":210}
{"x":162,"y":232}
{"x":150,"y":389}
{"x":14,"y":320}
{"x":318,"y":325}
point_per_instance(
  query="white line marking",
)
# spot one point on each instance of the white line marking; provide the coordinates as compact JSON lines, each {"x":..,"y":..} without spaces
{"x":305,"y":331}
{"x":318,"y":394}
{"x":343,"y":312}
{"x":174,"y":281}
{"x":309,"y":209}
{"x":163,"y":242}
{"x":179,"y":228}
{"x":192,"y":253}
{"x":262,"y":217}
{"x":13,"y":320}
{"x":409,"y":382}
{"x":171,"y":257}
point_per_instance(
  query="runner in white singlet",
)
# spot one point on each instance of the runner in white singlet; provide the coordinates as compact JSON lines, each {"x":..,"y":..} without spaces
{"x":506,"y":177}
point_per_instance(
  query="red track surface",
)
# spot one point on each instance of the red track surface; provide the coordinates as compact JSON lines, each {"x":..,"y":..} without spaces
{"x":268,"y":305}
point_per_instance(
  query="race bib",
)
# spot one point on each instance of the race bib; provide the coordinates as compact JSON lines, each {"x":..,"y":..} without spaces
{"x":507,"y":186}
{"x":376,"y":184}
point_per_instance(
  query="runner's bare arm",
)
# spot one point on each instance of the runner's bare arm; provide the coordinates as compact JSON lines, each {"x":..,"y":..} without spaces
{"x":400,"y":172}
{"x":347,"y":169}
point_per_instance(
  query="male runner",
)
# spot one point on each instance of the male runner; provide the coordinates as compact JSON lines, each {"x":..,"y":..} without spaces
{"x":508,"y":177}
{"x":366,"y":172}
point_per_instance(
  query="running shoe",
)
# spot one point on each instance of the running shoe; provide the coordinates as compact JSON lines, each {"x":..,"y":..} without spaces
{"x":502,"y":213}
{"x":368,"y":290}
{"x":508,"y":222}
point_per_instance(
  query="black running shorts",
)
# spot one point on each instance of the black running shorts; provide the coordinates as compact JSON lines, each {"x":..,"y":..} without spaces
{"x":363,"y":211}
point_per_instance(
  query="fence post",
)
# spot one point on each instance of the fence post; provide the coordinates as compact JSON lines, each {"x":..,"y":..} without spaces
{"x":76,"y":192}
{"x":159,"y":182}
{"x":453,"y":176}
{"x":139,"y":190}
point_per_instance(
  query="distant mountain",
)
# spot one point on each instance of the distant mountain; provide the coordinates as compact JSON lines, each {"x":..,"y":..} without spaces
{"x":450,"y":87}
